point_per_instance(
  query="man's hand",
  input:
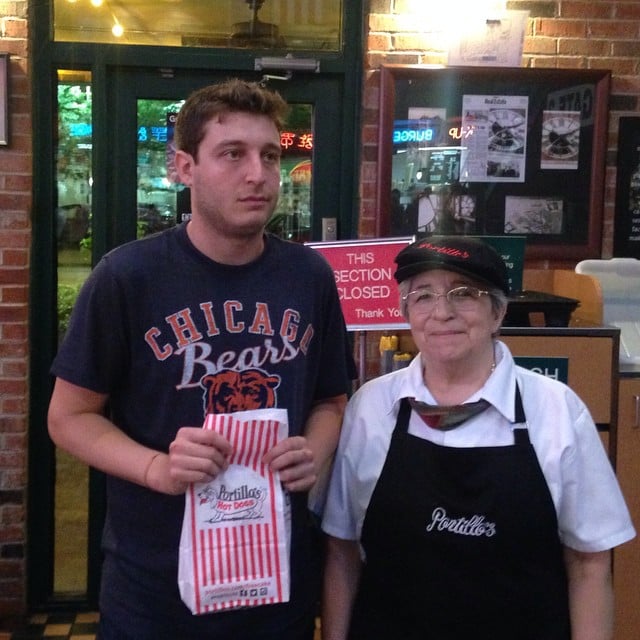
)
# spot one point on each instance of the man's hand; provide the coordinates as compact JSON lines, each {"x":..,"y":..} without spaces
{"x":196,"y":455}
{"x":293,"y":459}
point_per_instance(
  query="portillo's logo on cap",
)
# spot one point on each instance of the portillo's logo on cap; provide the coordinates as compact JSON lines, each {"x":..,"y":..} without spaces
{"x":450,"y":251}
{"x":467,"y":255}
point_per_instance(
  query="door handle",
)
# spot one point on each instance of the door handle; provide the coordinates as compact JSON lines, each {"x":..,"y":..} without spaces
{"x":636,"y":420}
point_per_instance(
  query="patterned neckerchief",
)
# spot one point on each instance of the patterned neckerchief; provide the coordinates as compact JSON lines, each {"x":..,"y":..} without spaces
{"x":445,"y":417}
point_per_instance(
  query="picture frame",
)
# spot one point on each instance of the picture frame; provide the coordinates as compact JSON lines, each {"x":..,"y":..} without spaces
{"x":494,"y":151}
{"x":626,"y":234}
{"x":4,"y":99}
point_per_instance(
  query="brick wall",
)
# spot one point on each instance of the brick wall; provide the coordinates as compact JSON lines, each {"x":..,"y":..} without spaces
{"x":561,"y":33}
{"x":15,"y":239}
{"x":584,"y":34}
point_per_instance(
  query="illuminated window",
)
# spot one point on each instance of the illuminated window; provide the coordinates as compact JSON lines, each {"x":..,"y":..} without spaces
{"x":252,"y":24}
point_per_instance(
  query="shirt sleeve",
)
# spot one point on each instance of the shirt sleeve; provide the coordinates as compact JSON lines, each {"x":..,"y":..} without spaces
{"x":593,"y":515}
{"x":94,"y":347}
{"x":591,"y":511}
{"x":364,"y":443}
{"x":337,"y":367}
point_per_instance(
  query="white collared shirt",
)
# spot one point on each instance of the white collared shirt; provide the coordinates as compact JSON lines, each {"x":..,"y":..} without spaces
{"x":592,"y":514}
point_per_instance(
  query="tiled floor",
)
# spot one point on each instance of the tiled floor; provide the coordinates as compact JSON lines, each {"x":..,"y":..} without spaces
{"x":57,"y":626}
{"x":65,"y":626}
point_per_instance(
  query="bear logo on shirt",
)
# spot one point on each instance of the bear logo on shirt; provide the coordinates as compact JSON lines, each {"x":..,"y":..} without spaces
{"x":228,"y":391}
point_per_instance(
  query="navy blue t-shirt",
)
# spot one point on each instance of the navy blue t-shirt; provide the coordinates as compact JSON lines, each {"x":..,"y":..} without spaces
{"x":170,"y":335}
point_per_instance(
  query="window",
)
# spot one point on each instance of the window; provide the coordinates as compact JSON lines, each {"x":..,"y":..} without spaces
{"x":255,"y":24}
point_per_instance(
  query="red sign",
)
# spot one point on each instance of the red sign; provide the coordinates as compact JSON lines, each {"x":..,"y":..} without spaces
{"x":364,"y":276}
{"x":296,"y":140}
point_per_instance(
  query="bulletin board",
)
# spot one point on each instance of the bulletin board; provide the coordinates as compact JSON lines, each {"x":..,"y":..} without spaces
{"x":494,"y":151}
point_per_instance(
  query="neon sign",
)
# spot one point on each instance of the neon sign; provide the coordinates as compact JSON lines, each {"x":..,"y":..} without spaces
{"x":155,"y":134}
{"x":430,"y":130}
{"x":461,"y":133}
{"x":412,"y":135}
{"x":290,"y":141}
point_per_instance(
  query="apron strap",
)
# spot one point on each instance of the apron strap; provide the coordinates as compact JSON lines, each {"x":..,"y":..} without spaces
{"x":404,"y":413}
{"x":519,"y":408}
{"x":520,"y":434}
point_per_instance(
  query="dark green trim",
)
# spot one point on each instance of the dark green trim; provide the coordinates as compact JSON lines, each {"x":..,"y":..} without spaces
{"x":42,"y":343}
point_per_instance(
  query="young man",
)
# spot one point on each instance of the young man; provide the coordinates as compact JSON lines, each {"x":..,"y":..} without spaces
{"x":212,"y":316}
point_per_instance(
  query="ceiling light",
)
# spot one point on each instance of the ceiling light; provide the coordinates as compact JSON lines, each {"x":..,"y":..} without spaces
{"x":117,"y":30}
{"x":254,"y":32}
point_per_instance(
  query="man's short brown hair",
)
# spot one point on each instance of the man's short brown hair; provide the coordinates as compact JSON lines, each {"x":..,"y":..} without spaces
{"x":233,"y":95}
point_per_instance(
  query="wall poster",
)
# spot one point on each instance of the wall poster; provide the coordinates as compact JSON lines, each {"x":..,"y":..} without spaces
{"x":496,"y":152}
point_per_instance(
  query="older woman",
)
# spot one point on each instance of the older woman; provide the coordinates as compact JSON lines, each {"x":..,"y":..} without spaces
{"x":470,"y":498}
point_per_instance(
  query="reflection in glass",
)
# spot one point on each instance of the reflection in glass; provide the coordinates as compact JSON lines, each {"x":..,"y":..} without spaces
{"x":427,"y":195}
{"x":254,"y":24}
{"x":158,"y":193}
{"x":292,"y":218}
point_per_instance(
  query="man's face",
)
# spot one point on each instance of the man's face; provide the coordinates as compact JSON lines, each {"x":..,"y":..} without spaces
{"x":235,"y":179}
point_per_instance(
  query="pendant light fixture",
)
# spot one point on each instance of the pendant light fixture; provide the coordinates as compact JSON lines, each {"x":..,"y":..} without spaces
{"x":254,"y":32}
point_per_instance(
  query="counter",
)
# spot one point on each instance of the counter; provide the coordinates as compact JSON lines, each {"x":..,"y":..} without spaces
{"x":626,"y":559}
{"x":629,"y":370}
{"x":582,"y":348}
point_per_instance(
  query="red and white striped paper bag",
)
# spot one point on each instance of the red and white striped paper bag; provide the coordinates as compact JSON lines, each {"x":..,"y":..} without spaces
{"x":234,"y":545}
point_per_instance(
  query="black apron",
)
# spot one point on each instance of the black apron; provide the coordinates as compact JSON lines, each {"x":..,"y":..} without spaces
{"x":461,"y":544}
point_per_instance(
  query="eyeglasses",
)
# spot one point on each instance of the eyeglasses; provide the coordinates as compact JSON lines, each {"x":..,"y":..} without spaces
{"x":460,"y":298}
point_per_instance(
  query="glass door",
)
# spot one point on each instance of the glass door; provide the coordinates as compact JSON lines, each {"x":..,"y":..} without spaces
{"x":311,"y":174}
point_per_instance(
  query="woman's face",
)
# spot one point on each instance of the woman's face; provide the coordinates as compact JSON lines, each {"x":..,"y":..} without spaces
{"x":449,"y":332}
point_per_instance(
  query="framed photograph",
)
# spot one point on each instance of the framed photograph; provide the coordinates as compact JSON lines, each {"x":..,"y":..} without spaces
{"x":4,"y":99}
{"x":495,"y":152}
{"x":626,"y":235}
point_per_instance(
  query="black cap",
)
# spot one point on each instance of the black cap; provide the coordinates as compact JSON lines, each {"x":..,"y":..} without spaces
{"x":469,"y":256}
